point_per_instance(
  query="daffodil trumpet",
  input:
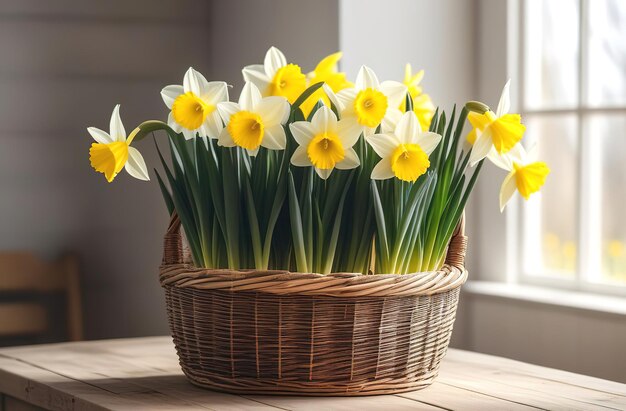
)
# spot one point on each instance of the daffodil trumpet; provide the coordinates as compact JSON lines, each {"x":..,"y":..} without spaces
{"x":316,"y":173}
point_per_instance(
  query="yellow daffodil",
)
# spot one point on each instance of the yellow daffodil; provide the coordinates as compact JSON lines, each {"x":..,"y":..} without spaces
{"x":326,"y":71}
{"x":412,"y":81}
{"x":255,"y":121}
{"x":325,"y":143}
{"x":194,"y":105}
{"x":112,"y":151}
{"x":370,"y":103}
{"x":500,"y":130}
{"x":404,"y":152}
{"x":422,"y":104}
{"x":525,"y":175}
{"x":275,"y":77}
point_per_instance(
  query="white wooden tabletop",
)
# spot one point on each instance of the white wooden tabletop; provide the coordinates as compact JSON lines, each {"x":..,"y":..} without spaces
{"x":143,"y":374}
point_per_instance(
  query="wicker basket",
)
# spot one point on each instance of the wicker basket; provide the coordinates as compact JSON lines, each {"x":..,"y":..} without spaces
{"x":277,"y":332}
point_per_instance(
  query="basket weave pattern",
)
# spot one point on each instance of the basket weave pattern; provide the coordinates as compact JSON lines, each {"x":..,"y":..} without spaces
{"x":276,"y":332}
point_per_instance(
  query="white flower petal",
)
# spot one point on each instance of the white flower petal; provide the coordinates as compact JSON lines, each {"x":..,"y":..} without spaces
{"x":390,"y":121}
{"x":250,"y":96}
{"x":191,"y":81}
{"x":507,"y":189}
{"x":274,"y":60}
{"x":225,"y":139}
{"x":366,"y":79}
{"x":408,"y":128}
{"x":256,"y":74}
{"x":502,"y":161}
{"x":504,"y":105}
{"x":349,"y":131}
{"x":274,"y":137}
{"x":428,"y":141}
{"x":395,"y":92}
{"x":215,"y":92}
{"x":383,"y":144}
{"x":368,"y":131}
{"x":213,"y":125}
{"x":519,"y":155}
{"x":332,"y":97}
{"x":116,"y":128}
{"x":173,"y":124}
{"x":324,"y":121}
{"x":136,"y":166}
{"x":189,"y":134}
{"x":273,"y":110}
{"x":302,"y":132}
{"x":324,"y":174}
{"x":253,"y":153}
{"x":346,"y":99}
{"x":169,"y":94}
{"x":100,"y":136}
{"x":481,"y":147}
{"x":203,"y":85}
{"x":203,"y":131}
{"x":227,"y":109}
{"x":300,"y":158}
{"x":350,"y":161}
{"x":382,"y":170}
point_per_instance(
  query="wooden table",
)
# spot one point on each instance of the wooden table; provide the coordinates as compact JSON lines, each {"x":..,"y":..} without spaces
{"x":143,"y":374}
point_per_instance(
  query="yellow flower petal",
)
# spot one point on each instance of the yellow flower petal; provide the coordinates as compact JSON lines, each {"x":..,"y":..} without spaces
{"x":480,"y":121}
{"x":108,"y":159}
{"x":246,"y":129}
{"x":530,"y":178}
{"x":412,"y":81}
{"x":190,"y":111}
{"x":471,"y":136}
{"x":328,"y":64}
{"x":326,"y":71}
{"x":288,"y":82}
{"x":370,"y":106}
{"x":506,"y":132}
{"x":325,"y":150}
{"x":408,"y":162}
{"x":424,"y":110}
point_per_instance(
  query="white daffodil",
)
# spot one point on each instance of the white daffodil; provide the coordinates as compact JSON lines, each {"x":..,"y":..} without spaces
{"x":275,"y":77}
{"x":404,"y":152}
{"x":499,"y":131}
{"x":112,"y":150}
{"x":525,"y":174}
{"x":255,"y":121}
{"x":370,"y":103}
{"x":194,"y":105}
{"x":325,"y":143}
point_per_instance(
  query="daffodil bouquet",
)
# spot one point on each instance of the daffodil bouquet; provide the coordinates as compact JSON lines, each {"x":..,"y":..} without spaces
{"x":312,"y":173}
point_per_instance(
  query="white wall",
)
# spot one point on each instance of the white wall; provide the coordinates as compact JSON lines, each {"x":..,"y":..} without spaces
{"x":437,"y":36}
{"x":64,"y":65}
{"x":243,"y":30}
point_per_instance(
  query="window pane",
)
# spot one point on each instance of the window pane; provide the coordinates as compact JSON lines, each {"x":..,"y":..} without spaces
{"x":607,"y":53}
{"x":551,"y":54}
{"x":609,"y":217}
{"x":549,"y":219}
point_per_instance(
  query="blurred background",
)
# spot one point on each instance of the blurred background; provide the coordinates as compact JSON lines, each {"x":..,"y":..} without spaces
{"x":79,"y":258}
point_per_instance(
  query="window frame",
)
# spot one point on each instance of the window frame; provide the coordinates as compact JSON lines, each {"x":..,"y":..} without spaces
{"x":587,"y":155}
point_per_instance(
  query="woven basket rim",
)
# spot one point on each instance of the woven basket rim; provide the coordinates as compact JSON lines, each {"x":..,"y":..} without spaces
{"x":334,"y":285}
{"x":176,"y":272}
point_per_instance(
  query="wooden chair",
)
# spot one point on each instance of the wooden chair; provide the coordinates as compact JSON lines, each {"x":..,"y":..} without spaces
{"x":25,"y":282}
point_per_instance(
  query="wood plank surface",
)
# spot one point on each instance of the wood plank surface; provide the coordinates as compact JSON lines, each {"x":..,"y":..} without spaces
{"x":143,"y":374}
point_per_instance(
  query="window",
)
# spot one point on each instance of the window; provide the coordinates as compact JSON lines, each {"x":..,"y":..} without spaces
{"x":572,"y":69}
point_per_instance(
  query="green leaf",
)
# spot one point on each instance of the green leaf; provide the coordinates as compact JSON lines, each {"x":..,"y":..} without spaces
{"x":296,"y":228}
{"x":305,"y":95}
